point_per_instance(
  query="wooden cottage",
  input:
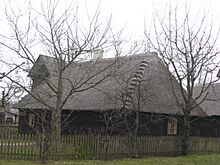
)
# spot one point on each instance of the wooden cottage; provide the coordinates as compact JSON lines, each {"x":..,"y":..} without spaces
{"x":137,"y":91}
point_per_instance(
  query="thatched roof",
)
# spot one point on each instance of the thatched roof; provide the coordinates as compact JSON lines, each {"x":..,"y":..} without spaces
{"x":155,"y":89}
{"x":211,"y":104}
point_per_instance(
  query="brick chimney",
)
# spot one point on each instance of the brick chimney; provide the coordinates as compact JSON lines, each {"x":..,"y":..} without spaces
{"x":98,"y":54}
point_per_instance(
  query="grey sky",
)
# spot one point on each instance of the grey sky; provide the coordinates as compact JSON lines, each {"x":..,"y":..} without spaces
{"x":128,"y":13}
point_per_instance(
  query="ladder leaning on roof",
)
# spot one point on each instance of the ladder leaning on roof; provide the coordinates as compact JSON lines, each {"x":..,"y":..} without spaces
{"x":135,"y":82}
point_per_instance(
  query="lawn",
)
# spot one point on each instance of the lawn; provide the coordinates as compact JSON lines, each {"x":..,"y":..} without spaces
{"x":189,"y":160}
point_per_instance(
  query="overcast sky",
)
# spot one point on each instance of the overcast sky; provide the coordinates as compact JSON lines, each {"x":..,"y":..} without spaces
{"x":129,"y":13}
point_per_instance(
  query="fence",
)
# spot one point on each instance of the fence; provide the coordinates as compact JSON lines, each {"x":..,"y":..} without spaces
{"x":8,"y":129}
{"x":17,"y":146}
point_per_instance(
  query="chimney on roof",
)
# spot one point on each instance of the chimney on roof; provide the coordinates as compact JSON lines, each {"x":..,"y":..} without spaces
{"x":218,"y":75}
{"x":97,"y":54}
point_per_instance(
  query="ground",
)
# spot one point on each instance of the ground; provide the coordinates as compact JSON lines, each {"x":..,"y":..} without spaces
{"x":213,"y":159}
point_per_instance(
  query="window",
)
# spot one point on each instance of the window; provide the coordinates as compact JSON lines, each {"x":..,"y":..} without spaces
{"x":31,"y":119}
{"x":172,"y":126}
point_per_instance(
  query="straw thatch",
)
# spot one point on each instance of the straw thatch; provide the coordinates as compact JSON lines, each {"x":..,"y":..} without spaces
{"x":155,"y":88}
{"x":211,"y":103}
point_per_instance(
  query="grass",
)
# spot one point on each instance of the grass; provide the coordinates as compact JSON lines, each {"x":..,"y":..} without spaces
{"x":213,"y":159}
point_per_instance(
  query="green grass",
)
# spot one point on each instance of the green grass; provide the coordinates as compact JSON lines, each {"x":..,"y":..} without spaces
{"x":213,"y":159}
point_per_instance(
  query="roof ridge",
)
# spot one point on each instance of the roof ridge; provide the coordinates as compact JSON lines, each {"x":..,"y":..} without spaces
{"x":109,"y":58}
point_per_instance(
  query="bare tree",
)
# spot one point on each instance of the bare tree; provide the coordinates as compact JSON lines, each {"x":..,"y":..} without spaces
{"x":188,"y":48}
{"x":9,"y":93}
{"x":67,"y":42}
{"x":135,"y":118}
{"x":134,"y":90}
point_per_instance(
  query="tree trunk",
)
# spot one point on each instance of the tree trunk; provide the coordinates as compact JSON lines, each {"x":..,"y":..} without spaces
{"x":133,"y":135}
{"x":43,"y":148}
{"x":186,"y":134}
{"x":49,"y":140}
{"x":107,"y":141}
{"x":43,"y":138}
{"x":55,"y":134}
{"x":133,"y":146}
{"x":56,"y":124}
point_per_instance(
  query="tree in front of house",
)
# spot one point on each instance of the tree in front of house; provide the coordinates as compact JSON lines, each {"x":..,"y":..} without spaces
{"x":188,"y":47}
{"x":147,"y":104}
{"x":62,"y":36}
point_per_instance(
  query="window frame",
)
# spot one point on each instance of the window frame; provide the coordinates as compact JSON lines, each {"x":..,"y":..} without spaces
{"x":172,"y":126}
{"x":31,"y":121}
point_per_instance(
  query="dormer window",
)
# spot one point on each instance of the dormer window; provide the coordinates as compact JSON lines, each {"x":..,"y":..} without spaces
{"x":43,"y":67}
{"x":37,"y":79}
